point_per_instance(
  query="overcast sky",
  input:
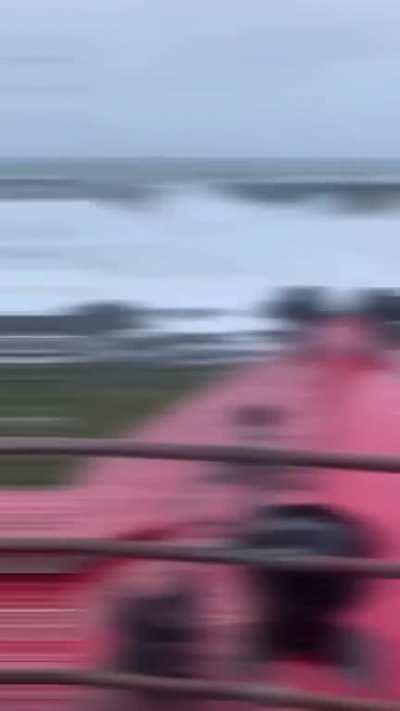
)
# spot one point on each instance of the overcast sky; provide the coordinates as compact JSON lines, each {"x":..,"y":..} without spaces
{"x":200,"y":77}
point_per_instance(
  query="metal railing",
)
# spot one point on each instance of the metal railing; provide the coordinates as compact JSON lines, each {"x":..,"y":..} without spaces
{"x":122,"y":448}
{"x":261,"y":695}
{"x":371,"y":568}
{"x":243,"y":692}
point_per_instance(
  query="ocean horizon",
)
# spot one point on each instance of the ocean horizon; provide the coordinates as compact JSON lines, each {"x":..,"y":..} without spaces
{"x":207,"y":236}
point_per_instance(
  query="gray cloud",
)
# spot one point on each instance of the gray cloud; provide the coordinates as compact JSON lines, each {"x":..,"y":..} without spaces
{"x":220,"y":77}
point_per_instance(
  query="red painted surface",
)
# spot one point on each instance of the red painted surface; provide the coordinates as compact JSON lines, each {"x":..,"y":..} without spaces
{"x":337,"y":399}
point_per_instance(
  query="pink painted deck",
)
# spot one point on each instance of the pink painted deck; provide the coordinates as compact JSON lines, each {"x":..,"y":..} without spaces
{"x":333,"y":404}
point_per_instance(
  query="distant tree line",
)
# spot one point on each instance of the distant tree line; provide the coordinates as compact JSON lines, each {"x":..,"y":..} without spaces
{"x":95,"y":318}
{"x":88,"y":319}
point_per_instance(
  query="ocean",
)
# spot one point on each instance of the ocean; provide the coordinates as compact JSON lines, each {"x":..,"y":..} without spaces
{"x":204,"y":234}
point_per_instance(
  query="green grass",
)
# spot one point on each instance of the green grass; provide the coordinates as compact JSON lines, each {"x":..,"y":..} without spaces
{"x":103,"y":399}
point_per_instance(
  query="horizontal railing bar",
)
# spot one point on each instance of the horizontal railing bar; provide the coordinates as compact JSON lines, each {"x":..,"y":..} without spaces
{"x":243,"y":692}
{"x":123,"y":448}
{"x":371,"y":567}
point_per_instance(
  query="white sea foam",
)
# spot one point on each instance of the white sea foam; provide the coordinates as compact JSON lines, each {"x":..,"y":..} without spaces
{"x":194,"y":248}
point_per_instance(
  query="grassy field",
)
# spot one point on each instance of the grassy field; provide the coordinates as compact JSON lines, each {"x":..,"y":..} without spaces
{"x":100,"y":400}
